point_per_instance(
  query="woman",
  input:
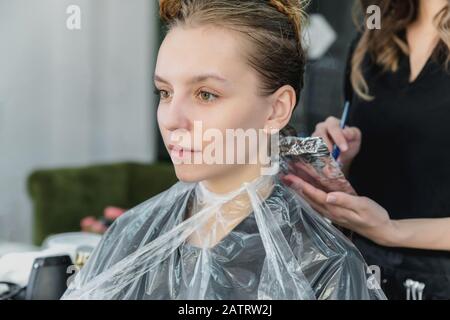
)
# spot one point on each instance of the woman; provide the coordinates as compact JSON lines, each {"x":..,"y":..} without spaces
{"x":395,"y":150}
{"x":225,"y":231}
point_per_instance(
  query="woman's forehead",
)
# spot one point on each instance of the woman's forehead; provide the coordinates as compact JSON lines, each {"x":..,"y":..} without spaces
{"x":200,"y":52}
{"x":190,"y":79}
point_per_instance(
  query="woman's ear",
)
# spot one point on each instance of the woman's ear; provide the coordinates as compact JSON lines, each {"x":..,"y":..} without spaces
{"x":283,"y":102}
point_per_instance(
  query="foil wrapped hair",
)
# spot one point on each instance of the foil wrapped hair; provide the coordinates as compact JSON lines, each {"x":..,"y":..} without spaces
{"x":311,"y":159}
{"x":311,"y":151}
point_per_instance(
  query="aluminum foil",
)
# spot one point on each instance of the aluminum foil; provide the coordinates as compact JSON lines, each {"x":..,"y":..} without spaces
{"x":310,"y":159}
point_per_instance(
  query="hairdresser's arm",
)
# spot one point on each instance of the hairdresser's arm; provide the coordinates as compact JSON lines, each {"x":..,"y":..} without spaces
{"x":424,"y":233}
{"x":370,"y":220}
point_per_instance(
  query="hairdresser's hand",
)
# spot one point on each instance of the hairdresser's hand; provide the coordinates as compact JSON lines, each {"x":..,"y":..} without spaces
{"x":359,"y":214}
{"x":301,"y":172}
{"x":347,"y":139}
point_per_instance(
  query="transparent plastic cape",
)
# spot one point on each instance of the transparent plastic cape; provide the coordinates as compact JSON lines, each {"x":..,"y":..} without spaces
{"x":262,"y":241}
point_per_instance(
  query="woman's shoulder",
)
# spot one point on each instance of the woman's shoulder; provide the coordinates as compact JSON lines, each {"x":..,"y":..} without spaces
{"x":151,"y":211}
{"x":327,"y":257}
{"x":317,"y":234}
{"x":138,"y":226}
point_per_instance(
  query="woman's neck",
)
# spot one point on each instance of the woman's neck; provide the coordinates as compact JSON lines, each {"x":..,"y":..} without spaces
{"x":233,"y":210}
{"x":233,"y":179}
{"x":428,"y":10}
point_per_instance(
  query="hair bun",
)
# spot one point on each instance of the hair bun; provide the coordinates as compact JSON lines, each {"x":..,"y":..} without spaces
{"x":293,"y":9}
{"x":169,"y":9}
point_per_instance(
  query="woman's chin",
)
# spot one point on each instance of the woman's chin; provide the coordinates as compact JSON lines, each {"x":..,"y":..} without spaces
{"x":188,"y":173}
{"x":196,"y":173}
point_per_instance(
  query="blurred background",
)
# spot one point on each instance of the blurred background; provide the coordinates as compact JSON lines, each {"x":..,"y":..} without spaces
{"x":78,"y":132}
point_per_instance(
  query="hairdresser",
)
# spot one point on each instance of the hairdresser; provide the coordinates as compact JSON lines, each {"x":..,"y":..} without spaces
{"x":395,"y":149}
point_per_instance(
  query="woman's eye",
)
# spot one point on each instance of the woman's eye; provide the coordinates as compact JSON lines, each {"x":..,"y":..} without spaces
{"x":207,"y":96}
{"x":163,"y":94}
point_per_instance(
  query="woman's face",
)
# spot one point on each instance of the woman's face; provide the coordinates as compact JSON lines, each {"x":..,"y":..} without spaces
{"x":202,"y":76}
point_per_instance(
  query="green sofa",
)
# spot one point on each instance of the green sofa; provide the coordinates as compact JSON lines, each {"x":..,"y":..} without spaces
{"x":62,"y":197}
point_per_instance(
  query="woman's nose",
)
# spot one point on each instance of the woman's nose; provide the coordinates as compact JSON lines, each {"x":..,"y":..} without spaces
{"x":175,"y":115}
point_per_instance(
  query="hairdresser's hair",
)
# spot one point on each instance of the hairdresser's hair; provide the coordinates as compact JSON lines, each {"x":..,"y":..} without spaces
{"x":386,"y":45}
{"x":271,"y":27}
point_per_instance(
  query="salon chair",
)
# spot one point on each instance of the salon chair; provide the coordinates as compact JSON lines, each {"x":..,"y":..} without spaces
{"x":62,"y":197}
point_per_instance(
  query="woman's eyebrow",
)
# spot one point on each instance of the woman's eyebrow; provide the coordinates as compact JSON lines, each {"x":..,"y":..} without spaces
{"x":198,"y":78}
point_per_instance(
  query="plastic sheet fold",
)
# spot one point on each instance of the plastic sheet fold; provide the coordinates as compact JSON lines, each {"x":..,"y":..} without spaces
{"x":262,"y":241}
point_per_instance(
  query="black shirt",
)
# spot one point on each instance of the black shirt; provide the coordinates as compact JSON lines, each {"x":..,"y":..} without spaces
{"x":404,"y":162}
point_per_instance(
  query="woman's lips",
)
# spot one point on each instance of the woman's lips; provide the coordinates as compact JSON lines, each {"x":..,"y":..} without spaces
{"x":180,"y":152}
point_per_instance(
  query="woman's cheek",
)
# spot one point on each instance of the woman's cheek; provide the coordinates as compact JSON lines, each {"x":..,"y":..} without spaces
{"x":160,"y":119}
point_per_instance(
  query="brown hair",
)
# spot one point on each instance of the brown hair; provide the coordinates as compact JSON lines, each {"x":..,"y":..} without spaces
{"x":272,"y":27}
{"x":386,"y":45}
